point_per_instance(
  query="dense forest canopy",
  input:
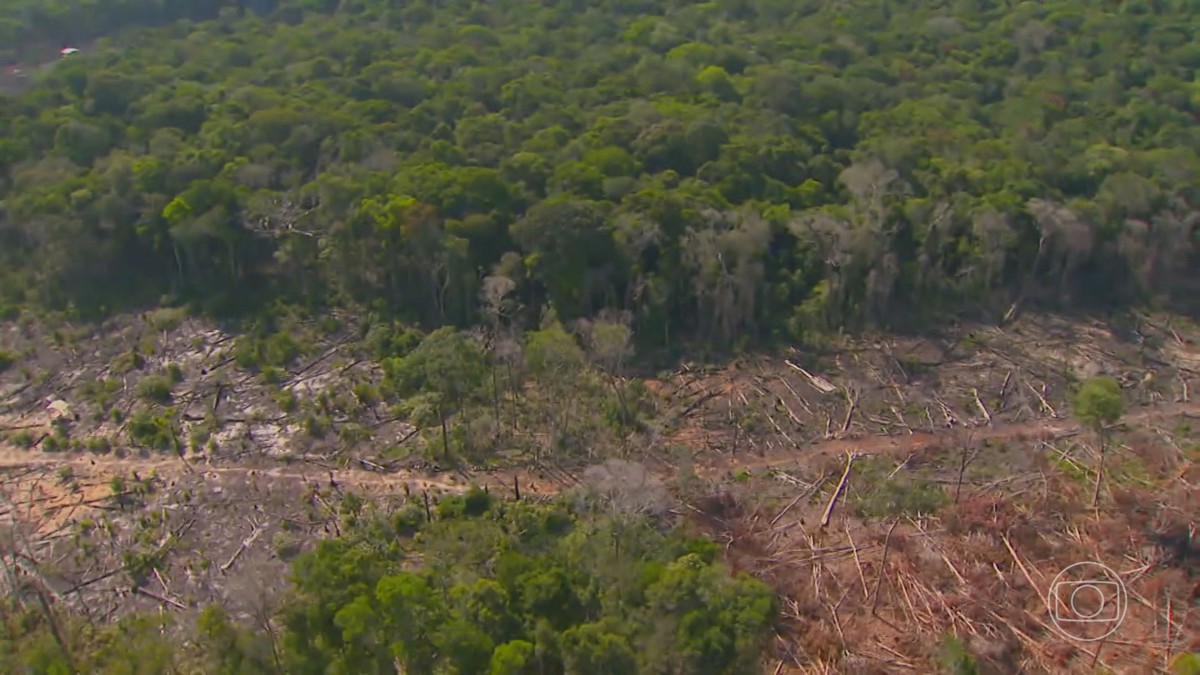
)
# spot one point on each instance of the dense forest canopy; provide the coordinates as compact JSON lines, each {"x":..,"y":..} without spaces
{"x":717,"y":170}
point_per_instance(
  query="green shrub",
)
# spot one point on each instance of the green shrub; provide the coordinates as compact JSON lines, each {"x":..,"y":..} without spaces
{"x":956,"y":659}
{"x":902,"y":497}
{"x":286,"y":545}
{"x":128,"y":362}
{"x":353,"y":434}
{"x":1187,"y":663}
{"x":167,"y":318}
{"x":155,"y":388}
{"x":879,"y":494}
{"x":157,"y":432}
{"x":474,"y":503}
{"x":277,"y":351}
{"x":286,"y":400}
{"x":100,"y":392}
{"x":317,"y":426}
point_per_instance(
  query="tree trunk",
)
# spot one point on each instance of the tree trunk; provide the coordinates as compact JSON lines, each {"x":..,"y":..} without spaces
{"x":496,"y":398}
{"x":512,"y":388}
{"x":445,"y":435}
{"x":1100,"y":470}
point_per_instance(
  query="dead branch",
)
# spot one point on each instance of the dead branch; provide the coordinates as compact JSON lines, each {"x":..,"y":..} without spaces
{"x":258,"y":529}
{"x":852,"y":403}
{"x":787,"y":508}
{"x":697,"y":403}
{"x":161,"y":598}
{"x":161,"y":582}
{"x":1099,"y":476}
{"x":96,"y":579}
{"x":887,"y":542}
{"x":858,"y":563}
{"x":903,"y":422}
{"x":962,"y":469}
{"x":779,"y":429}
{"x":371,"y":466}
{"x":798,"y":397}
{"x":841,"y":486}
{"x":901,"y":466}
{"x":951,"y":420}
{"x":819,"y":383}
{"x":1024,"y":571}
{"x":328,"y":353}
{"x":789,"y":412}
{"x":982,"y":408}
{"x":1042,"y":399}
{"x":1003,"y":396}
{"x":19,"y":427}
{"x":833,"y":611}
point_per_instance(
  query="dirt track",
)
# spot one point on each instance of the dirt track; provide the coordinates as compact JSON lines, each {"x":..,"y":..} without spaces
{"x":542,"y":482}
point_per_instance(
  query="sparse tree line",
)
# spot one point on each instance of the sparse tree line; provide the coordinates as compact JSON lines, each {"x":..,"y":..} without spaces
{"x":538,"y":391}
{"x":717,"y":172}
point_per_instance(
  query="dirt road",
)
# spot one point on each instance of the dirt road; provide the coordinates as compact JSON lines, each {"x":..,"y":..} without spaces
{"x":544,"y":482}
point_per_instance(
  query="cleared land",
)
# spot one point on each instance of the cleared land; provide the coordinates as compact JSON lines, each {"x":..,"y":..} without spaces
{"x":970,"y":487}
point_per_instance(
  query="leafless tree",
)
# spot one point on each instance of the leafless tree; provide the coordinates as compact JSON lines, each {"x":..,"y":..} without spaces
{"x":1066,"y":241}
{"x":995,"y":235}
{"x":501,"y":344}
{"x":852,"y":241}
{"x":1157,"y":248}
{"x":628,"y":488}
{"x":726,"y":259}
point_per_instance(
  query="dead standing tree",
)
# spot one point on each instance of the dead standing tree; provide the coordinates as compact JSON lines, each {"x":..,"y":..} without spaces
{"x":726,"y":260}
{"x":1066,"y":241}
{"x":1159,"y":246}
{"x":628,"y":490}
{"x":502,"y":345}
{"x":855,"y":243}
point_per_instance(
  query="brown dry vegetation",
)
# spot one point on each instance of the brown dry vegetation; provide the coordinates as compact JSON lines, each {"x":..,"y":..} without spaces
{"x":970,"y":489}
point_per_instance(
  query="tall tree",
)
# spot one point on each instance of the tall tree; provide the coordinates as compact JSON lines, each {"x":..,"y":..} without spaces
{"x":446,"y":371}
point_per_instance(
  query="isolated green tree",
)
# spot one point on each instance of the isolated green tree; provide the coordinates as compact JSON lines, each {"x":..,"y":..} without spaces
{"x":1098,"y":404}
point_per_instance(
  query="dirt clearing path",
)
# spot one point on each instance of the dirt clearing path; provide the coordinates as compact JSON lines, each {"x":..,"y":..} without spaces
{"x":542,"y":482}
{"x":1041,"y":430}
